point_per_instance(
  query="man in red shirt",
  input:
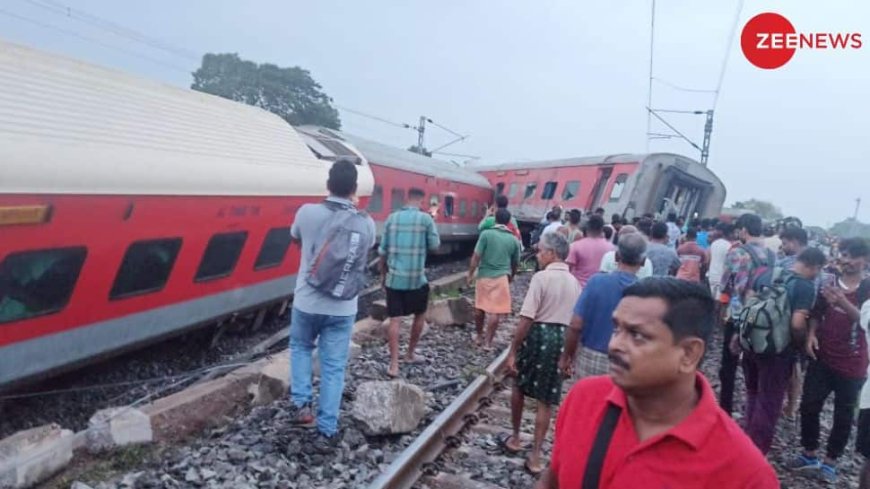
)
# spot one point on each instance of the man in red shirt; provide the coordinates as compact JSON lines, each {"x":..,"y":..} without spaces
{"x":693,"y":258}
{"x":665,"y":428}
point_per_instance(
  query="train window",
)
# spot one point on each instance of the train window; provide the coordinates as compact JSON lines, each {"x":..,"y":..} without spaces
{"x":145,"y":268}
{"x":499,"y":188}
{"x":397,"y":198}
{"x":38,"y":282}
{"x":572,"y":188}
{"x":618,"y":186}
{"x":549,"y":190}
{"x":221,"y":255}
{"x":274,"y":248}
{"x":513,"y":190}
{"x":530,"y":190}
{"x":463,"y":205}
{"x":376,"y":202}
{"x":448,"y":205}
{"x":474,"y":208}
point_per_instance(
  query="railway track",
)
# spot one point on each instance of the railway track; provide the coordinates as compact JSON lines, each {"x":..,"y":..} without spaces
{"x":460,"y":449}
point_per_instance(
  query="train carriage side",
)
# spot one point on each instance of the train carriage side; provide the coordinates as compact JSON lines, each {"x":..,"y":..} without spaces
{"x":457,"y":198}
{"x":131,"y":211}
{"x":629,"y":185}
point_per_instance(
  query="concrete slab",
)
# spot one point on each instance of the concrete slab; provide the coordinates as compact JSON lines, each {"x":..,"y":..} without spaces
{"x":117,"y":427}
{"x":32,"y":456}
{"x":378,"y":309}
{"x":450,"y":312}
{"x":455,"y":281}
{"x":200,"y":406}
{"x":273,"y":379}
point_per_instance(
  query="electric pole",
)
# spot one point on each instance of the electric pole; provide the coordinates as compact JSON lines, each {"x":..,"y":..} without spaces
{"x":421,"y":130}
{"x":708,"y":131}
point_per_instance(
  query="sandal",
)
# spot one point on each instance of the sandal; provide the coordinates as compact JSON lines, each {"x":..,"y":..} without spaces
{"x":503,"y":444}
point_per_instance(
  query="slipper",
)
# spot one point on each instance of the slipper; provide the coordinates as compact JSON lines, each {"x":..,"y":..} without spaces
{"x":503,"y":444}
{"x":415,"y":361}
{"x":531,"y":471}
{"x":390,"y":375}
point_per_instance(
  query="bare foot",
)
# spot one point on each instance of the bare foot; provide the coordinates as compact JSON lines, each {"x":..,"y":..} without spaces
{"x":393,"y":371}
{"x":534,"y":467}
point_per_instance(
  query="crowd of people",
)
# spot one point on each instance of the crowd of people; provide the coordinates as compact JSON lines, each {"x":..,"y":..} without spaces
{"x":629,"y":311}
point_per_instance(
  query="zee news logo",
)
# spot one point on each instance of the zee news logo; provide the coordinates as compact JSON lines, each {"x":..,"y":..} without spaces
{"x":769,"y":40}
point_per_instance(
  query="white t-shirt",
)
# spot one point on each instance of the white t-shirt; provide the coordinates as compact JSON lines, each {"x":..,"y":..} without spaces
{"x":608,"y":264}
{"x":718,"y":252}
{"x":773,"y":243}
{"x":865,"y":323}
{"x":551,"y":228}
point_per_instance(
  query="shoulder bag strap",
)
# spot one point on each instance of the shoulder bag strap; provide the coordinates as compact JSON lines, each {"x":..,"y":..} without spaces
{"x":595,"y":462}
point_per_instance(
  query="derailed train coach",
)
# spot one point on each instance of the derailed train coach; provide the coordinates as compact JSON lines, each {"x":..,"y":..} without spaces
{"x":131,"y":211}
{"x":626,"y":184}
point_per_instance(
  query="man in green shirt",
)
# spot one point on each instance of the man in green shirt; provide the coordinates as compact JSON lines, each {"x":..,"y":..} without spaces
{"x":495,"y":260}
{"x":488,"y":222}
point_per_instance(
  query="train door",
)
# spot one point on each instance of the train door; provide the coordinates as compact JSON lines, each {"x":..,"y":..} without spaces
{"x":595,"y":197}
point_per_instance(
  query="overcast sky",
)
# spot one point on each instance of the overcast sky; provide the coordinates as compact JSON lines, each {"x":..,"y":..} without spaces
{"x":533,"y":79}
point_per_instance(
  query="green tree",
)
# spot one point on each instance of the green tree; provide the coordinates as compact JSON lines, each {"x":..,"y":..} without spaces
{"x":764,"y":209}
{"x":850,"y":227}
{"x":290,"y":93}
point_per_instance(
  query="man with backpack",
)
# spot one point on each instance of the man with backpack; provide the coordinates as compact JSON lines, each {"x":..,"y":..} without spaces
{"x":748,"y":267}
{"x":335,"y":239}
{"x":409,"y":234}
{"x":772,"y":325}
{"x":837,"y":347}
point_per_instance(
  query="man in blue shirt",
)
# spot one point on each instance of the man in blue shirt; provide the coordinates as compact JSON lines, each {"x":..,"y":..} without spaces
{"x":592,"y":324}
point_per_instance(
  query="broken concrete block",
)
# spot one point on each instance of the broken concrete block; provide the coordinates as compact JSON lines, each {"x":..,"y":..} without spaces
{"x":389,"y":407}
{"x":449,"y":312}
{"x":274,"y":379}
{"x":32,"y":456}
{"x":378,"y":309}
{"x":117,"y":427}
{"x":199,"y":406}
{"x":456,"y":281}
{"x":369,"y":329}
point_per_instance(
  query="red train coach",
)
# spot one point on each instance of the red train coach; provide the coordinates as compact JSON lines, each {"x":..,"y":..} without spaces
{"x":130,"y":210}
{"x":457,"y":197}
{"x":627,"y":184}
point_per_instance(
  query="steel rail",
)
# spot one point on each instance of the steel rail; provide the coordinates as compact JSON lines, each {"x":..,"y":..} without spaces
{"x":408,"y":467}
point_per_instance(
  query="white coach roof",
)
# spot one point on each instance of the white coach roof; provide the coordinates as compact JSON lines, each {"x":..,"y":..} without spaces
{"x":402,"y":159}
{"x":71,"y":127}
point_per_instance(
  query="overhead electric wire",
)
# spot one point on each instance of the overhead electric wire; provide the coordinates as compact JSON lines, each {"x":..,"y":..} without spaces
{"x":652,"y":30}
{"x":114,"y":28}
{"x":682,"y":89}
{"x":374,"y":117}
{"x":92,"y":40}
{"x":728,"y":52}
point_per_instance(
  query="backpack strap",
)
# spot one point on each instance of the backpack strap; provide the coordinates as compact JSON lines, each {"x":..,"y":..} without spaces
{"x":595,"y":462}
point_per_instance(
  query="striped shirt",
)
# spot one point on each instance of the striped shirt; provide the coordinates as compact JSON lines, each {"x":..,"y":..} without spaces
{"x":409,"y":234}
